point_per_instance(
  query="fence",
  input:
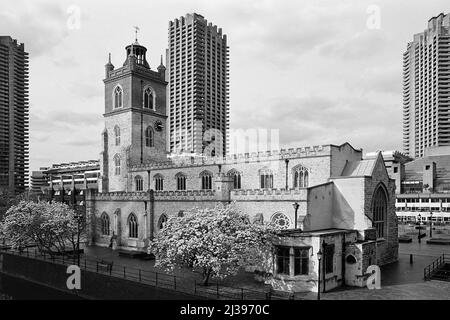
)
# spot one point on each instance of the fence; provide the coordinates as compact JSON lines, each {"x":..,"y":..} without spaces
{"x":157,"y":279}
{"x":437,"y":264}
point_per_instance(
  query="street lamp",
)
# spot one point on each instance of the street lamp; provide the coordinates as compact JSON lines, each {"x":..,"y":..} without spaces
{"x":295,"y":205}
{"x":319,"y":258}
{"x":431,"y":224}
{"x":420,"y":221}
{"x":78,"y":217}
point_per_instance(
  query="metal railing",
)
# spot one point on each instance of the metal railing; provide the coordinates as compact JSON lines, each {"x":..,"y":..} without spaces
{"x":214,"y":291}
{"x":435,"y":266}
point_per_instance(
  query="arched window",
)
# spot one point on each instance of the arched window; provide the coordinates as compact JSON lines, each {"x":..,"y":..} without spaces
{"x":117,"y":165}
{"x":162,"y":220}
{"x":301,"y":176}
{"x":379,"y":209}
{"x":159,"y":182}
{"x":149,"y":137}
{"x":266,"y":178}
{"x":281,"y":220}
{"x":118,"y":97}
{"x":132,"y":226}
{"x":258,"y":218}
{"x":181,"y":181}
{"x":117,"y":135}
{"x":236,"y":175}
{"x":206,"y":178}
{"x":148,"y":99}
{"x":105,"y":224}
{"x":139,"y":183}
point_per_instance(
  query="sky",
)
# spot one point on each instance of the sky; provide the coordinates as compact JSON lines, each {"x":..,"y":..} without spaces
{"x":319,"y":71}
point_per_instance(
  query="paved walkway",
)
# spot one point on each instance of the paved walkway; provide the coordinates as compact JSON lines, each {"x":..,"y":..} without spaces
{"x":400,"y":280}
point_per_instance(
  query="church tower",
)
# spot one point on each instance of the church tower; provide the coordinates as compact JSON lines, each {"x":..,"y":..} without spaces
{"x":135,"y":118}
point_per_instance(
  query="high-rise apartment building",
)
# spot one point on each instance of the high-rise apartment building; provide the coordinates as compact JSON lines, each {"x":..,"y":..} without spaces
{"x":198,"y":92}
{"x":426,"y":88}
{"x":14,"y":115}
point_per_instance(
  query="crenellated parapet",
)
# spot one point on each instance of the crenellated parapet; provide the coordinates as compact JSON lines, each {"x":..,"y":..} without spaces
{"x":187,"y":195}
{"x":196,"y":161}
{"x":122,"y":196}
{"x":269,"y":194}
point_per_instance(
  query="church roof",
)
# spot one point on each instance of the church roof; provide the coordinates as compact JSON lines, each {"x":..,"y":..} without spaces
{"x":359,"y":168}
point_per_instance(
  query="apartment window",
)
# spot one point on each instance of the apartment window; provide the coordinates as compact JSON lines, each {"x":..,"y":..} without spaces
{"x":139,"y":183}
{"x":132,"y":226}
{"x":118,"y":97}
{"x":379,"y":209}
{"x":159,"y":182}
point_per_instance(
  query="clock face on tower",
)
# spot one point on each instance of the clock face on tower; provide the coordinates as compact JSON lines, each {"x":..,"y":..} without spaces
{"x":158,"y":125}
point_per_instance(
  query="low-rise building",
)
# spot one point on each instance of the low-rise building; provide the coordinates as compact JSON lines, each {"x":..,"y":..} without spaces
{"x":425,"y":188}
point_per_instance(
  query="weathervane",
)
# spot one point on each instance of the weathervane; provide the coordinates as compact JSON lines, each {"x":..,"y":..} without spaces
{"x":136,"y":29}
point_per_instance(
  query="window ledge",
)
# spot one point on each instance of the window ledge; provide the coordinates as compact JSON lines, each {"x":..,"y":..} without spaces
{"x":285,"y":277}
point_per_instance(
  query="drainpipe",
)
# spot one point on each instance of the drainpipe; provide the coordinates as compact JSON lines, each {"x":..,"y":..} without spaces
{"x":142,"y":123}
{"x":287,"y":170}
{"x":343,"y":259}
{"x":152,"y":214}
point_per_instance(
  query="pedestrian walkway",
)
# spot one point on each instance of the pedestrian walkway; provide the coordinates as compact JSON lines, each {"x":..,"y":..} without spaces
{"x":399,"y":280}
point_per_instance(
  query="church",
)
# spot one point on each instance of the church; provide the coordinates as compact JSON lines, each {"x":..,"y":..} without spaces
{"x":336,"y":207}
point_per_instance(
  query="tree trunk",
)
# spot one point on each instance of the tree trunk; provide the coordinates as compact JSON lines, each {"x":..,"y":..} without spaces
{"x":206,"y":275}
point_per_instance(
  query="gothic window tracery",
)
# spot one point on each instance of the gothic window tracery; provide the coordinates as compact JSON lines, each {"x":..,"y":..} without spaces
{"x":118,"y":97}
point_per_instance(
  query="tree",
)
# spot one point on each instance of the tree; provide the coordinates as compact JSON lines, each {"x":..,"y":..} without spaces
{"x":51,"y":226}
{"x":217,"y":241}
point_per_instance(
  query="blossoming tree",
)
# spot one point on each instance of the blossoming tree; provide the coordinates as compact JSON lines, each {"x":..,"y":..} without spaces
{"x":217,"y":242}
{"x":51,"y":226}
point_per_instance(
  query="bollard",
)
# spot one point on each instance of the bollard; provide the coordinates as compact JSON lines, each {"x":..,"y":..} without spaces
{"x":410,"y":258}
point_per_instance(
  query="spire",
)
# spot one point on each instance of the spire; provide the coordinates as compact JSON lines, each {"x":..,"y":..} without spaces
{"x":136,"y":29}
{"x":109,"y":66}
{"x":109,"y":60}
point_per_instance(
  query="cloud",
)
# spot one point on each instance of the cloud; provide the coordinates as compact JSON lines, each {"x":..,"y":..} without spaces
{"x":86,"y":90}
{"x":64,"y":119}
{"x":41,"y":25}
{"x":361,"y":45}
{"x":82,"y":142}
{"x":317,"y":120}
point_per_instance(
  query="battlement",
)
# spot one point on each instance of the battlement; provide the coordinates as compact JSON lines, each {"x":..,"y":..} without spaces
{"x":269,"y":194}
{"x":188,"y":195}
{"x":195,"y":160}
{"x":135,"y":68}
{"x":122,"y":196}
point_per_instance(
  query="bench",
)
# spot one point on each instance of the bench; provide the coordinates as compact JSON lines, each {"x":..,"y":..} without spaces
{"x":105,"y":265}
